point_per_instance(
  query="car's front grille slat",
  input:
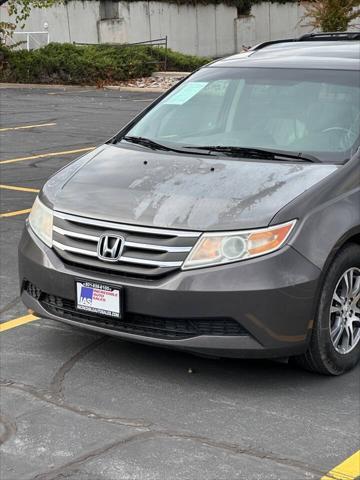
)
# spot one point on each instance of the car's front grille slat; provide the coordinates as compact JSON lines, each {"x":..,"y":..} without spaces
{"x":149,"y":252}
{"x":69,"y":248}
{"x":68,"y":233}
{"x":160,"y":248}
{"x":126,"y":228}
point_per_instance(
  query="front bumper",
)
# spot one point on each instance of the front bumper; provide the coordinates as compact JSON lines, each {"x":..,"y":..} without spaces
{"x":271,"y":297}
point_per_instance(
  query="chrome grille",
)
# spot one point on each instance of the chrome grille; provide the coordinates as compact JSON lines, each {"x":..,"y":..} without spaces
{"x":148,"y":252}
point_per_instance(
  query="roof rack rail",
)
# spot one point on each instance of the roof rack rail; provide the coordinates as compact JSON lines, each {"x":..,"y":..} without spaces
{"x":330,"y":36}
{"x":325,"y":36}
{"x":272,"y":42}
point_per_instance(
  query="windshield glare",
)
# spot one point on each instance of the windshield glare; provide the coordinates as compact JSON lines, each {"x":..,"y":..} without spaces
{"x":309,"y":111}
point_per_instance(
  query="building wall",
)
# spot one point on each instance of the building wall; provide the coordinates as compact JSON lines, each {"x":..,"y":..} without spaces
{"x":212,"y":30}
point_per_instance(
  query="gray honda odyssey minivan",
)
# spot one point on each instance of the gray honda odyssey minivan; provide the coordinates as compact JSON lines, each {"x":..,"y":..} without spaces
{"x":223,"y":220}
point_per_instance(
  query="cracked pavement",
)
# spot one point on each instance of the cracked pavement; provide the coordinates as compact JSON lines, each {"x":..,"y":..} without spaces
{"x":77,"y":405}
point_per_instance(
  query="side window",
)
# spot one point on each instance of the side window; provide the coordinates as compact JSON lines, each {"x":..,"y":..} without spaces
{"x":334,"y":109}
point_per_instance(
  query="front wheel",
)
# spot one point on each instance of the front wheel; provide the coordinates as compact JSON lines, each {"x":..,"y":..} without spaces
{"x":335,"y":341}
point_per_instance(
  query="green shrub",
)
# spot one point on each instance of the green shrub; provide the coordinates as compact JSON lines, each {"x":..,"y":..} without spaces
{"x":177,"y":61}
{"x":88,"y":65}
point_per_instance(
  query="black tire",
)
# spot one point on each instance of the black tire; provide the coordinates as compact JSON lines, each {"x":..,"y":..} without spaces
{"x":321,"y":356}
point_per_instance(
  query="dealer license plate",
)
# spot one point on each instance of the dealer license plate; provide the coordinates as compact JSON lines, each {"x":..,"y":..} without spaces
{"x":98,"y":298}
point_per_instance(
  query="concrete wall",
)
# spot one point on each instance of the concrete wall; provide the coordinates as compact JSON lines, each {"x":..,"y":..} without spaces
{"x":212,"y":30}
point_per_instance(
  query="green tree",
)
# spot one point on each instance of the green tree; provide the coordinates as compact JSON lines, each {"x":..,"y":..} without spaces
{"x":20,"y":11}
{"x":332,"y":15}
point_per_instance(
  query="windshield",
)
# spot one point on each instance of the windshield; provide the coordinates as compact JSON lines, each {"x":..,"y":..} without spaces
{"x":309,"y":111}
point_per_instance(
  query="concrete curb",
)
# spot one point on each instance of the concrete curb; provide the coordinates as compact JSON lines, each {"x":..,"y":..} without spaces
{"x":171,"y":74}
{"x":135,"y":89}
{"x":81,"y":87}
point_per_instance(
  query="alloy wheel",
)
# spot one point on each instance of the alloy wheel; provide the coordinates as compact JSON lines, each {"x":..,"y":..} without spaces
{"x":345,"y":312}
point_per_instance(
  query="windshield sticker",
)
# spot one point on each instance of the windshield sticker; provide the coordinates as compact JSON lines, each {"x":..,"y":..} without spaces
{"x":186,"y":92}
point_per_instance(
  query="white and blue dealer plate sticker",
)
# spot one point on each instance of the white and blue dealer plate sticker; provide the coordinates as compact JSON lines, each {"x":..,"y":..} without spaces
{"x":99,"y":299}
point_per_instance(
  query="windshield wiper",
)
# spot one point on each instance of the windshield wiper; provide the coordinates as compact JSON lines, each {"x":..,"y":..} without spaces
{"x":146,"y":142}
{"x":259,"y":153}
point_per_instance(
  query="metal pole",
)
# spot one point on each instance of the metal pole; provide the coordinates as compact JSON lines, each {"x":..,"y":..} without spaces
{"x":28,"y":42}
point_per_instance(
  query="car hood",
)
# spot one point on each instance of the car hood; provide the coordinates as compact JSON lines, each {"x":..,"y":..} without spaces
{"x":160,"y":189}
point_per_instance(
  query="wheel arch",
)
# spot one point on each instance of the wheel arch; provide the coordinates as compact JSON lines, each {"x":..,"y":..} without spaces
{"x":350,"y":237}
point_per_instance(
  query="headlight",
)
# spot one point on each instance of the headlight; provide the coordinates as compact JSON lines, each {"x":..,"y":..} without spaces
{"x":41,"y":222}
{"x":219,"y":248}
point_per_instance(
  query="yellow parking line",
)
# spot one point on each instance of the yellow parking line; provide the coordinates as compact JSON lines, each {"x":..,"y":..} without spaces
{"x":347,"y":470}
{"x":13,"y":214}
{"x":46,"y":155}
{"x":24,"y":127}
{"x":19,"y":189}
{"x":17,"y":322}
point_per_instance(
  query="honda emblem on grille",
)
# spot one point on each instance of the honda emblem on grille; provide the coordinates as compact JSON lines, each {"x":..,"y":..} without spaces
{"x":110,"y":247}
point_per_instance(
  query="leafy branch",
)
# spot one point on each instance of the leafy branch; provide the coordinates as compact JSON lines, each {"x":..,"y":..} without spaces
{"x":332,"y":15}
{"x":20,"y":10}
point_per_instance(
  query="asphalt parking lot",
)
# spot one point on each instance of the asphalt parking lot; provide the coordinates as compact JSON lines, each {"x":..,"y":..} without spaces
{"x":76,"y":405}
